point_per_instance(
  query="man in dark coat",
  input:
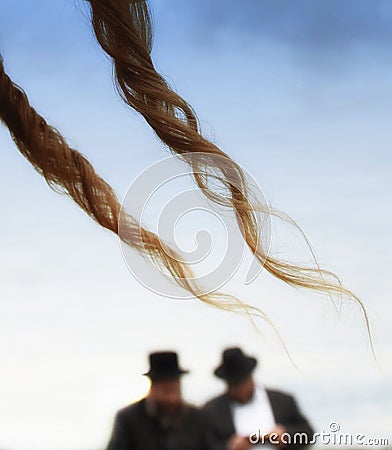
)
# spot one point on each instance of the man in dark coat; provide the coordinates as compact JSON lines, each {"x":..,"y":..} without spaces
{"x":161,"y":420}
{"x":251,"y":416}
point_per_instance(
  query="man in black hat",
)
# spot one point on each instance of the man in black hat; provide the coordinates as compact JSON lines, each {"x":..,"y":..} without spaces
{"x":161,"y":420}
{"x":251,"y":416}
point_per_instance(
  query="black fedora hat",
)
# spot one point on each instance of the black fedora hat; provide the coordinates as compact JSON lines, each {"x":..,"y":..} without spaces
{"x":164,"y":365}
{"x":236,"y":366}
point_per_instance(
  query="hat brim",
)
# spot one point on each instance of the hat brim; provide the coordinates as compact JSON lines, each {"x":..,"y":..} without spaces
{"x":247,"y":367}
{"x":165,"y":375}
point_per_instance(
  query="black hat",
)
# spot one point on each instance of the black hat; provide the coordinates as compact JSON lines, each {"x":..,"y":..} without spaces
{"x":235,"y":366}
{"x":164,"y":365}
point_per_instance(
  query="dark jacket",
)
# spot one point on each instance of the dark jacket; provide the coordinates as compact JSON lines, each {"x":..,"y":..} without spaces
{"x":136,"y":429}
{"x":285,"y":410}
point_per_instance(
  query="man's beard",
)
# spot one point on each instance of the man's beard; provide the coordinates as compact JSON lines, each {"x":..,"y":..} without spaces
{"x":169,"y":416}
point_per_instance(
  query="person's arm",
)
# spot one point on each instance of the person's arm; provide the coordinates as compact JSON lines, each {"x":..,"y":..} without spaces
{"x":299,"y":423}
{"x":214,"y":438}
{"x":214,"y":441}
{"x":297,"y":426}
{"x":121,"y":437}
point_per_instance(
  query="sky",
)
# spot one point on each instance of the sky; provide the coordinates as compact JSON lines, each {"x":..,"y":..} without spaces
{"x":300,"y":94}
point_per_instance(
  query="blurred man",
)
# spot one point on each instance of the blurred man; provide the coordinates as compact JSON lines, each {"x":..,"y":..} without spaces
{"x":161,"y":420}
{"x":251,"y":416}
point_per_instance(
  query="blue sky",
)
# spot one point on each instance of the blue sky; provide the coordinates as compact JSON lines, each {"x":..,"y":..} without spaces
{"x":300,"y":94}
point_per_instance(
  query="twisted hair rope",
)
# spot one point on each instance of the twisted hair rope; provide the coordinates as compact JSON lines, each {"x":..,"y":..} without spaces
{"x":67,"y":171}
{"x":123,"y":28}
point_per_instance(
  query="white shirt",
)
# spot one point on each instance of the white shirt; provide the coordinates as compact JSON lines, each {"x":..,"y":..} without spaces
{"x":255,"y":417}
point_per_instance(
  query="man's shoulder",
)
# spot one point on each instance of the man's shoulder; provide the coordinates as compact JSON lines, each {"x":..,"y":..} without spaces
{"x":276,"y":394}
{"x":194,"y":412}
{"x":192,"y":408}
{"x":216,"y":403}
{"x":132,"y":410}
